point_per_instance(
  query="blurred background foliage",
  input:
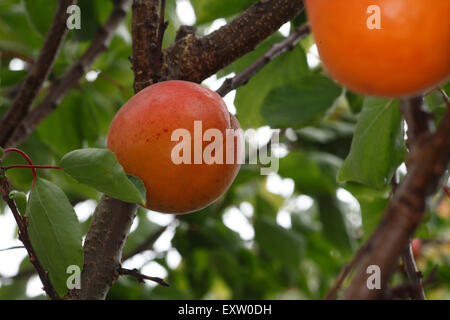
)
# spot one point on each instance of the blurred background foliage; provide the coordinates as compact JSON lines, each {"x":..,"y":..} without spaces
{"x":283,"y":236}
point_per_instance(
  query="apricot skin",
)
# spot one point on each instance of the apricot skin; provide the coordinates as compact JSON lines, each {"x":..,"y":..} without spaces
{"x":140,"y":137}
{"x":410,"y":54}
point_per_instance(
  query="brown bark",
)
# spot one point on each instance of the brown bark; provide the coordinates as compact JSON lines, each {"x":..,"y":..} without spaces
{"x":61,"y":86}
{"x":195,"y":59}
{"x":427,"y":163}
{"x":37,"y":75}
{"x":184,"y":54}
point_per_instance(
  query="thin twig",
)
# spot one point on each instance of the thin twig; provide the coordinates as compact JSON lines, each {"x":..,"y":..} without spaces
{"x":146,"y":244}
{"x":37,"y":74}
{"x":413,"y":273}
{"x":12,"y":248}
{"x":22,"y":223}
{"x":276,"y":50}
{"x":427,"y":162}
{"x":61,"y":86}
{"x":344,"y":273}
{"x":17,"y":55}
{"x":141,"y":277}
{"x":419,"y":127}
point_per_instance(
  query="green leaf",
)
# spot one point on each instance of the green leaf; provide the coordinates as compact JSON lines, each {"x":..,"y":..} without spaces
{"x":54,"y":231}
{"x":313,"y":173}
{"x":279,"y":243}
{"x":208,"y":11}
{"x":20,"y":198}
{"x":99,"y":169}
{"x":40,"y":14}
{"x":333,"y":222}
{"x":296,"y":105}
{"x":287,"y":69}
{"x":378,"y":146}
{"x":89,"y":20}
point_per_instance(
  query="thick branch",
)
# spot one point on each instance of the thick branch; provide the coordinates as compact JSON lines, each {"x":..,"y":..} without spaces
{"x":103,"y":246}
{"x":113,"y":218}
{"x":276,"y":50}
{"x":195,"y":59}
{"x":37,"y":75}
{"x":61,"y":86}
{"x":427,"y":163}
{"x":145,"y":42}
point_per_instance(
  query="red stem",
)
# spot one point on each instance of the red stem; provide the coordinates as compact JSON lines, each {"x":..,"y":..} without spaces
{"x":27,"y":158}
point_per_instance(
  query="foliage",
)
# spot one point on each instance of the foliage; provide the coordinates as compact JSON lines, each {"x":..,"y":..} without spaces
{"x":342,"y":151}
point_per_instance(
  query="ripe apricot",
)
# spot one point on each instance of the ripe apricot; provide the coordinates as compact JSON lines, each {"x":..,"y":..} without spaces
{"x":141,"y":138}
{"x":408,"y":54}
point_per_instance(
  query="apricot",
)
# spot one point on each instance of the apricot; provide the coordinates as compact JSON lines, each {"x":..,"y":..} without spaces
{"x":141,"y":137}
{"x":408,"y":54}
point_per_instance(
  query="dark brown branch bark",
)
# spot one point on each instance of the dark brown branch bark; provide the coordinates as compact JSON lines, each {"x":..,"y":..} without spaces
{"x":276,"y":50}
{"x":195,"y":59}
{"x":141,"y":277}
{"x":96,"y":280}
{"x":145,"y":43}
{"x":103,"y":246}
{"x":413,"y":273}
{"x":419,"y":127}
{"x":61,"y":86}
{"x":427,"y":162}
{"x":22,"y":224}
{"x":37,"y":75}
{"x":113,"y":218}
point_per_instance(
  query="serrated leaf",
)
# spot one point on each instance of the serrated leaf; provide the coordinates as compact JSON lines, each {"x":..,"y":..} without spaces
{"x":279,"y":243}
{"x":378,"y":146}
{"x":100,"y":169}
{"x":54,"y":232}
{"x":297,"y":105}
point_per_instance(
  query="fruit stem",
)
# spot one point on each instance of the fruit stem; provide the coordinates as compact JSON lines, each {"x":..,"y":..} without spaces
{"x":27,"y":158}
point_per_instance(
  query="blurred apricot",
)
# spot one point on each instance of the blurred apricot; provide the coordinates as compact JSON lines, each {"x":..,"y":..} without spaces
{"x":408,"y":54}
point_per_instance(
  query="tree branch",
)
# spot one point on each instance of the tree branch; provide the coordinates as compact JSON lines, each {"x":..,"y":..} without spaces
{"x":145,"y":43}
{"x":96,"y":279}
{"x":195,"y":59}
{"x":38,"y":73}
{"x":146,"y":244}
{"x":413,"y":273}
{"x":61,"y":86}
{"x":141,"y":277}
{"x":22,"y":224}
{"x":276,"y":50}
{"x":427,"y":162}
{"x":113,"y":218}
{"x":103,"y":246}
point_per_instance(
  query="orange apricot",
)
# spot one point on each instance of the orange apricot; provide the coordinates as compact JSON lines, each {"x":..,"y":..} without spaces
{"x":145,"y":136}
{"x":390,"y":48}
